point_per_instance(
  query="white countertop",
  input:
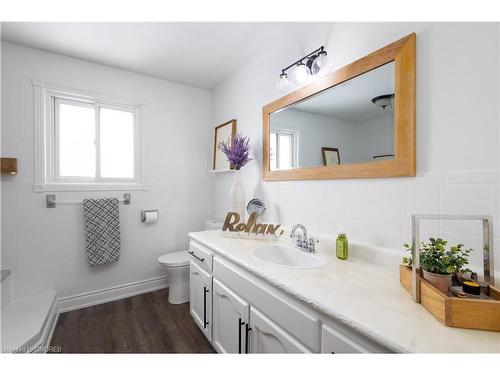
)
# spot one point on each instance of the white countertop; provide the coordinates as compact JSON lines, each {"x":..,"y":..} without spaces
{"x":363,"y":292}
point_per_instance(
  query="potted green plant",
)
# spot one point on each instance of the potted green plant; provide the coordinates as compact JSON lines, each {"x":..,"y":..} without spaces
{"x":438,"y":263}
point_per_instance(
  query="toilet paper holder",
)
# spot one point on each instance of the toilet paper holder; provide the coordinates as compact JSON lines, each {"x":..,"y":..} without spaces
{"x":144,"y":212}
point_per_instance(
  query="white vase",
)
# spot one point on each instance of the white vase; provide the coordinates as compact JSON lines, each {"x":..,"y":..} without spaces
{"x":238,"y":196}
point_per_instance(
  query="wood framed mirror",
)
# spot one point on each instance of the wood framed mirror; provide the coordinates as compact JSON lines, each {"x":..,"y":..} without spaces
{"x":364,"y":111}
{"x":223,"y":133}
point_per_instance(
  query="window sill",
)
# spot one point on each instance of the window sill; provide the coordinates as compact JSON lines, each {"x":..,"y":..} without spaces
{"x":111,"y":186}
{"x":221,"y":170}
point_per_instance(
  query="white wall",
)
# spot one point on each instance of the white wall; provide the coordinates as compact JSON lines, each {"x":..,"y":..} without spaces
{"x":45,"y":247}
{"x":315,"y":131}
{"x":357,"y":141}
{"x":374,"y":137}
{"x":457,"y":134}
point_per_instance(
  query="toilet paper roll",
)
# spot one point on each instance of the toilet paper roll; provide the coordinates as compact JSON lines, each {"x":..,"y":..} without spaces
{"x":150,"y":216}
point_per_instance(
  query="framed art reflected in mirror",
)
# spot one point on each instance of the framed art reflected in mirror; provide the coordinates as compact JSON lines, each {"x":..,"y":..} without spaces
{"x":223,"y":133}
{"x":331,"y":156}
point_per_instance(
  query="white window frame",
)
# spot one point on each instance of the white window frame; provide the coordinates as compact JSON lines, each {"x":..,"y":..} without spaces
{"x":294,"y":146}
{"x":46,"y":145}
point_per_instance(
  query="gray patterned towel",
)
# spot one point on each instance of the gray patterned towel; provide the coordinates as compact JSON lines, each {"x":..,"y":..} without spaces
{"x":102,"y":230}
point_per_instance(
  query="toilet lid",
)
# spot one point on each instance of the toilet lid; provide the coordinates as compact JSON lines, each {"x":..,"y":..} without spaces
{"x":178,"y":258}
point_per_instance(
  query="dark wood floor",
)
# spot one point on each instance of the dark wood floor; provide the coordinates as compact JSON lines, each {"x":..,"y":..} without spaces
{"x":146,"y":323}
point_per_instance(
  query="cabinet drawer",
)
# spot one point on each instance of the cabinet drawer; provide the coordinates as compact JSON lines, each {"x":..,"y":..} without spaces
{"x":286,"y":313}
{"x":201,"y":255}
{"x":335,"y":342}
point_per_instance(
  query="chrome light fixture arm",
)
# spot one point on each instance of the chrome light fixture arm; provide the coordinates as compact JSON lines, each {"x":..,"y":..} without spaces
{"x":308,"y":65}
{"x":310,"y":57}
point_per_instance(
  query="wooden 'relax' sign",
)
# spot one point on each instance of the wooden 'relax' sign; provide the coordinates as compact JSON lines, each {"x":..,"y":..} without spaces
{"x":232,"y":224}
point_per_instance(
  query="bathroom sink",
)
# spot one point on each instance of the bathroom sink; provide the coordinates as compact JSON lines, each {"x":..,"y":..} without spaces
{"x":288,"y":257}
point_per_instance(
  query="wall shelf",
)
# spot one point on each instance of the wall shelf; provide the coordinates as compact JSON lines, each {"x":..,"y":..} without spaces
{"x":221,"y":170}
{"x":8,"y":166}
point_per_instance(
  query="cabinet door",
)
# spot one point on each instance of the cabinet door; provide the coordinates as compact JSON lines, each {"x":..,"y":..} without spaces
{"x":335,"y":342}
{"x":230,"y":315}
{"x":200,"y":298}
{"x":266,"y":337}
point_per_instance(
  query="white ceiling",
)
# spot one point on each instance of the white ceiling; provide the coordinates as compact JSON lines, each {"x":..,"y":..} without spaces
{"x":197,"y":54}
{"x":351,"y":100}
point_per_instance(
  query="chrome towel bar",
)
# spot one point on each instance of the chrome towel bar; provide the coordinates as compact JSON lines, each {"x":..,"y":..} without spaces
{"x":51,"y":200}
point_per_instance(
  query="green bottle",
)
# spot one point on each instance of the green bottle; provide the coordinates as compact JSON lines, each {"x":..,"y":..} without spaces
{"x":342,"y":245}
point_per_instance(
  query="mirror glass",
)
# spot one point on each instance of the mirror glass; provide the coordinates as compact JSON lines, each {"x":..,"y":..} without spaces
{"x":352,"y":122}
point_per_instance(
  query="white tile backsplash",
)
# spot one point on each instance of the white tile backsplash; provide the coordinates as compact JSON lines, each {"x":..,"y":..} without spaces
{"x":420,"y":199}
{"x":333,"y":201}
{"x":497,"y":258}
{"x":385,"y":235}
{"x":474,"y":177}
{"x":358,"y":229}
{"x":466,"y":227}
{"x":466,"y":199}
{"x":495,"y":209}
{"x":357,"y":200}
{"x":385,"y":202}
{"x":378,"y":211}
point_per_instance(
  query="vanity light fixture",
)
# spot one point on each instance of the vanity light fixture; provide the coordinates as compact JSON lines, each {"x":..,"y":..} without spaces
{"x":384,"y":101}
{"x":283,"y":82}
{"x":304,"y":68}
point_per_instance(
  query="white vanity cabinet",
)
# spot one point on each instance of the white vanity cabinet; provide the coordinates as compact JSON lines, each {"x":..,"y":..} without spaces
{"x":200,"y":298}
{"x":230,"y":320}
{"x":242,"y":313}
{"x":239,"y":327}
{"x":265,"y":336}
{"x":334,"y":342}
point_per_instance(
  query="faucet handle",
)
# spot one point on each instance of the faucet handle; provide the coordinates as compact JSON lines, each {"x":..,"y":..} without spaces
{"x":312,"y":244}
{"x":299,"y":240}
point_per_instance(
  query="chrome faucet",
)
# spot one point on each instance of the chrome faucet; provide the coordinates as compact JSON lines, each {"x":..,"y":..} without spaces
{"x":303,"y":243}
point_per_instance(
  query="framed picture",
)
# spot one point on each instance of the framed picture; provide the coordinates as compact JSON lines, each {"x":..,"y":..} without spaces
{"x":223,"y":133}
{"x":331,"y":156}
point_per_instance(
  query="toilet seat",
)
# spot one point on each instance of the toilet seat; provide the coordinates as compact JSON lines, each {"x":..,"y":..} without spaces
{"x":175,"y":259}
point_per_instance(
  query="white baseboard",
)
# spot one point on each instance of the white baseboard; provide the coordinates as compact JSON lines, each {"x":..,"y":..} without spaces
{"x":97,"y":297}
{"x":51,"y":324}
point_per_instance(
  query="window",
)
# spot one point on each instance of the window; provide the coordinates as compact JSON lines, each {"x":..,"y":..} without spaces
{"x":283,"y":152}
{"x":84,"y":142}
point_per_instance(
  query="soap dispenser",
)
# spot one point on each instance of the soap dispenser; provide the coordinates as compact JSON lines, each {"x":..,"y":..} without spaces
{"x":342,"y":246}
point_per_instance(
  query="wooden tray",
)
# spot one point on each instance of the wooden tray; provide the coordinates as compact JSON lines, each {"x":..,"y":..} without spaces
{"x":454,"y":311}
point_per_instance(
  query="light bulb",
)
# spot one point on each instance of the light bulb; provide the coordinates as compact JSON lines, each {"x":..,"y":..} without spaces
{"x":283,"y":83}
{"x":301,"y":73}
{"x":315,"y":68}
{"x":322,"y":60}
{"x":321,"y":64}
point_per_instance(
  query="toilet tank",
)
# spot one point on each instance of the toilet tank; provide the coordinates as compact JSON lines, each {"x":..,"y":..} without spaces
{"x":213,"y":225}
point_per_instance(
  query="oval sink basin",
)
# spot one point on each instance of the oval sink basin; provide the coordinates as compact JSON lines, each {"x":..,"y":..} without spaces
{"x":288,"y":257}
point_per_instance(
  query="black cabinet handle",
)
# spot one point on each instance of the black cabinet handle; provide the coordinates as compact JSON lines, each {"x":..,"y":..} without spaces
{"x":240,"y":323}
{"x":205,"y":291}
{"x":197,"y":257}
{"x":248,"y":329}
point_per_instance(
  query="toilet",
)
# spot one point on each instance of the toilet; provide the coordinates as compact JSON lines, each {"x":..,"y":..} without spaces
{"x":176,"y":265}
